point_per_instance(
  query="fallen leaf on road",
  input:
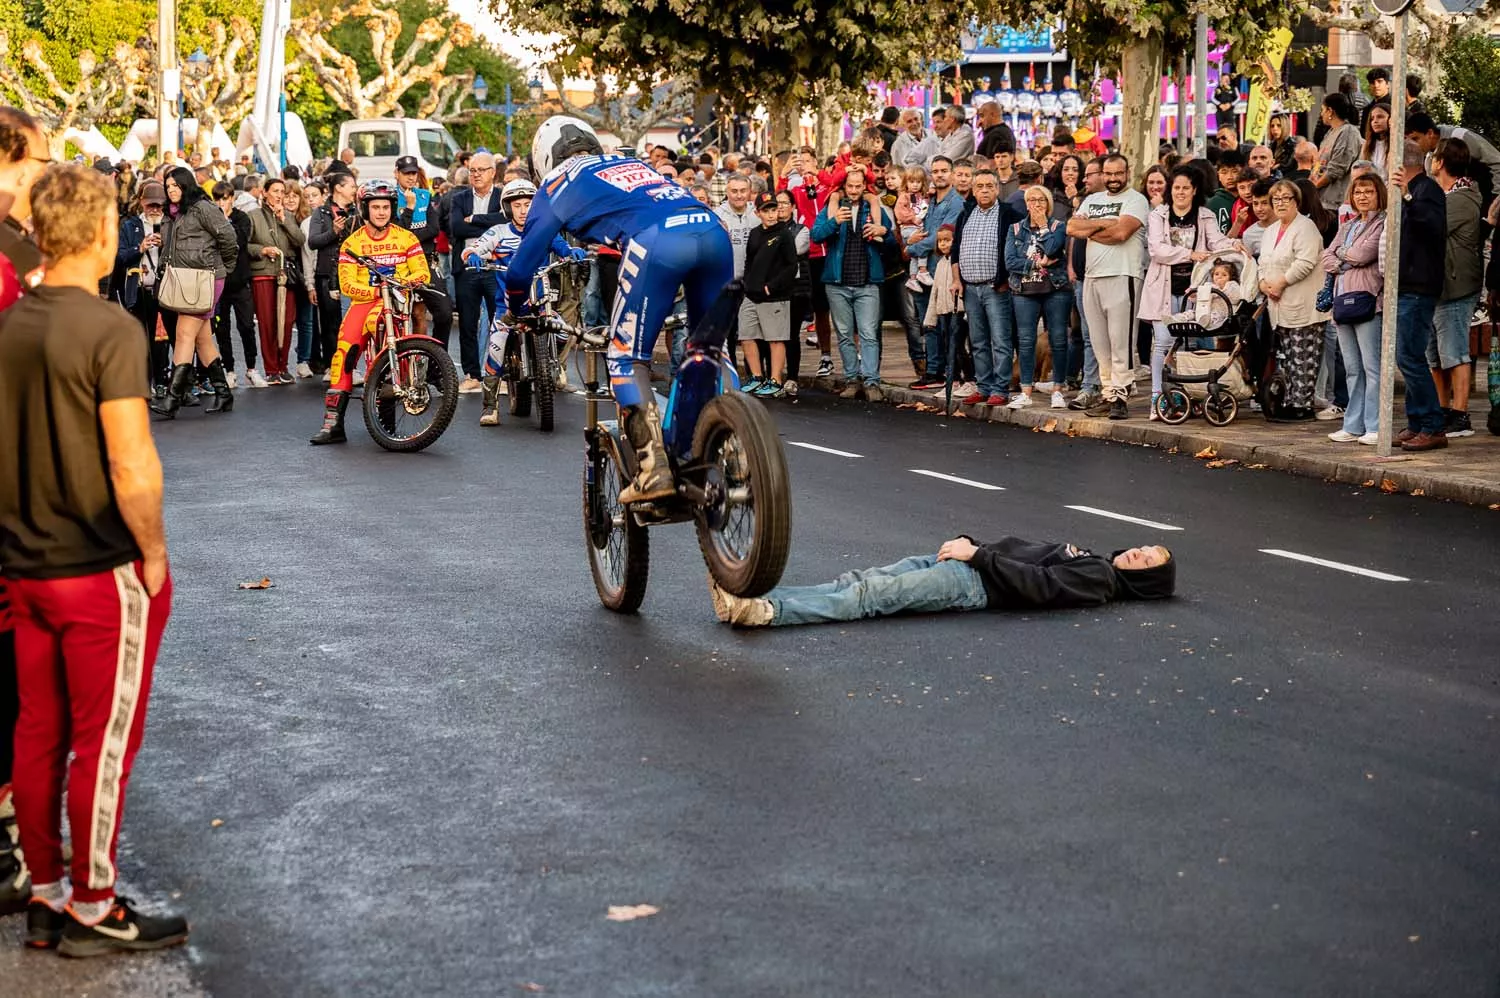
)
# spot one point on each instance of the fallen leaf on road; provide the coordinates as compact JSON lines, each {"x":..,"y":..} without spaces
{"x":1495,"y":505}
{"x":1207,"y":452}
{"x":1370,"y":484}
{"x":1387,"y":486}
{"x":1227,"y":462}
{"x":1419,"y":492}
{"x":630,"y":912}
{"x":262,"y":584}
{"x":216,"y":822}
{"x":1171,"y":450}
{"x":531,"y":986}
{"x":1255,"y":467}
{"x":1050,"y":426}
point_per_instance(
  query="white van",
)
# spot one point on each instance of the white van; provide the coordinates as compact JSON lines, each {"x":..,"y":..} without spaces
{"x":378,"y":142}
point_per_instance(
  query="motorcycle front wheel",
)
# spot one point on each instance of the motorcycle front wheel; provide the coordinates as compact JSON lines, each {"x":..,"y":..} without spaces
{"x":543,"y":379}
{"x":415,"y":421}
{"x":745,"y":526}
{"x":619,"y":547}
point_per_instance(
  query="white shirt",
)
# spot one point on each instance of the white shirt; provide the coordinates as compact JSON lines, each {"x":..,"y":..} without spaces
{"x":1127,"y":259}
{"x":740,"y":226}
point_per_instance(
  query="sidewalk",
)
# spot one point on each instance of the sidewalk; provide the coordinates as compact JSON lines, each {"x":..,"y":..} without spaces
{"x":1468,"y":471}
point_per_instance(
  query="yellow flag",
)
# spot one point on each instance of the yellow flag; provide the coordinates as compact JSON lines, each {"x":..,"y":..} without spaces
{"x":1258,"y":109}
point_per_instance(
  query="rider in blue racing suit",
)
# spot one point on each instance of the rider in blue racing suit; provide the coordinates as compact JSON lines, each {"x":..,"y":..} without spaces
{"x":668,"y":239}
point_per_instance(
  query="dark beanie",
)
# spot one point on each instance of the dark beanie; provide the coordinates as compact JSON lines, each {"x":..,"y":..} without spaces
{"x":1145,"y":583}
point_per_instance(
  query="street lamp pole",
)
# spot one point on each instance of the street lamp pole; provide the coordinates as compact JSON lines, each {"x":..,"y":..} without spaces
{"x":169,"y":83}
{"x":510,"y":111}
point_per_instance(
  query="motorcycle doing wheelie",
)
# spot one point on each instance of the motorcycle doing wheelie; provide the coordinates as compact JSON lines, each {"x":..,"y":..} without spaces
{"x":725,"y":455}
{"x":411,"y":387}
{"x":528,"y":363}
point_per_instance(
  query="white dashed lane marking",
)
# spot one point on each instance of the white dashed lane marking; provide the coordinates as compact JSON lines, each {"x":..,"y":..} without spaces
{"x":1121,"y":516}
{"x":958,"y":481}
{"x":823,"y":450}
{"x":1368,"y":573}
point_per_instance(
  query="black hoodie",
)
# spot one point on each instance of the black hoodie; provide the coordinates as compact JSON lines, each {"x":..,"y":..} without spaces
{"x":1021,"y":574}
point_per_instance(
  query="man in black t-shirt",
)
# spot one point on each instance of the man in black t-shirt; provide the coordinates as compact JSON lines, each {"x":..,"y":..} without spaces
{"x":85,"y":560}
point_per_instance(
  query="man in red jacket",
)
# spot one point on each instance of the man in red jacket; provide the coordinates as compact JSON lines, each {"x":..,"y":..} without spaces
{"x":1010,"y":574}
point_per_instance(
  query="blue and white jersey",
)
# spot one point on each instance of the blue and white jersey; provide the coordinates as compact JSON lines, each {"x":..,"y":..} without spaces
{"x":599,"y":199}
{"x":499,"y":244}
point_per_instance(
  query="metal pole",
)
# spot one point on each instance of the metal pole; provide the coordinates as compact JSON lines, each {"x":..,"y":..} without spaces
{"x":1392,"y":245}
{"x":1200,"y":89}
{"x":281,"y":122}
{"x":169,"y":83}
{"x":510,"y":111}
{"x":1182,"y":82}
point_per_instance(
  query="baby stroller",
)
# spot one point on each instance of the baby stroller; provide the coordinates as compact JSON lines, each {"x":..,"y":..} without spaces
{"x":1205,"y":371}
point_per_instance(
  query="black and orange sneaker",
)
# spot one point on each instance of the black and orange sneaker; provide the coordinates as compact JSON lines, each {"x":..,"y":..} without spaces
{"x":123,"y":929}
{"x":44,"y":927}
{"x":15,"y":882}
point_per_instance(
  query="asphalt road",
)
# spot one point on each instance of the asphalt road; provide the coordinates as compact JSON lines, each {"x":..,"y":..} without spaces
{"x":427,"y":762}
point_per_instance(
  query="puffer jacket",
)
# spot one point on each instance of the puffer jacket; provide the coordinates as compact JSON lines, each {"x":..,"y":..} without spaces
{"x":200,"y":239}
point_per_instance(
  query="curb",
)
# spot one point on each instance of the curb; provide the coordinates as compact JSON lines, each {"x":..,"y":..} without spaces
{"x":1138,"y":431}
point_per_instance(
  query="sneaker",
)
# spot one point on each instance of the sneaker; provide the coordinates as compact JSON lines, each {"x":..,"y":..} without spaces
{"x":1143,"y":373}
{"x":254,"y":380}
{"x":851,"y":390}
{"x":926,"y":384}
{"x":1342,"y":437}
{"x":44,"y":927}
{"x":789,"y":389}
{"x":285,"y":378}
{"x":749,"y":385}
{"x":768,"y":389}
{"x":924,"y":278}
{"x":303,"y":371}
{"x":1154,"y":413}
{"x":1426,"y":441}
{"x":738,"y":610}
{"x":1021,"y":401}
{"x":1059,"y":401}
{"x":123,"y":928}
{"x":825,"y":367}
{"x":1370,"y":439}
{"x":1457,"y":424}
{"x":973,"y":398}
{"x":470,"y":386}
{"x":1331,"y":412}
{"x":1117,"y":409}
{"x":912,"y":284}
{"x":1084,"y":400}
{"x":998,"y":399}
{"x":810,"y":340}
{"x":874,"y":393}
{"x":1101,"y":407}
{"x":231,"y":380}
{"x":327,"y":378}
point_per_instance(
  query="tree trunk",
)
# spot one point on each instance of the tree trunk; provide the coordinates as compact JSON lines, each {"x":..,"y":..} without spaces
{"x":1140,"y":88}
{"x":781,"y":125}
{"x":830,"y":119}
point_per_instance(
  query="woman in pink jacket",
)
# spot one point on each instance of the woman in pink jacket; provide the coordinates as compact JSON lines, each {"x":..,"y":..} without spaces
{"x":1179,"y":233}
{"x":1355,"y":257}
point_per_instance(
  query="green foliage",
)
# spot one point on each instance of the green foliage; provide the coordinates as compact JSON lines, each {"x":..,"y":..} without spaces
{"x":320,"y":116}
{"x":488,"y":130}
{"x":1471,"y":84}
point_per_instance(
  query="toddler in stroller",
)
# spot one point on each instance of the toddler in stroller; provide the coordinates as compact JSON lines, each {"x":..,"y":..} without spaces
{"x":1205,"y":369}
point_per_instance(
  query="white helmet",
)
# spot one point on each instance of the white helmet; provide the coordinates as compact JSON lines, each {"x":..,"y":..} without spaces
{"x":560,"y":137}
{"x":517,"y":188}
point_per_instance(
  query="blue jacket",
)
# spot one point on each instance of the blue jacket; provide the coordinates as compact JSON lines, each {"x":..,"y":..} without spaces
{"x":939,"y":214}
{"x":124,"y":286}
{"x":1018,"y":242}
{"x":598,"y":199}
{"x":835,"y":235}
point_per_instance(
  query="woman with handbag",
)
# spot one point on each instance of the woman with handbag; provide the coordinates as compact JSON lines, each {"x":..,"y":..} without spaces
{"x":1291,"y":278}
{"x":1359,"y":283}
{"x":275,"y":276}
{"x":199,"y":249}
{"x":1034,"y":250}
{"x":1179,"y":233}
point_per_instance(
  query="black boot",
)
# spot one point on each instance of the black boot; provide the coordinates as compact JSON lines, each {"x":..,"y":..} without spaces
{"x":334,"y":404}
{"x":223,"y":400}
{"x":177,"y":391}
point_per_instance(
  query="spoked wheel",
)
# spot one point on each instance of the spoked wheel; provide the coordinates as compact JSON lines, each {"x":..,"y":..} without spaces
{"x":517,"y":388}
{"x":1174,"y":406}
{"x":1220,"y":407}
{"x":413,"y":419}
{"x":1273,"y":395}
{"x":544,"y":378}
{"x":745,"y":527}
{"x":619,"y":549}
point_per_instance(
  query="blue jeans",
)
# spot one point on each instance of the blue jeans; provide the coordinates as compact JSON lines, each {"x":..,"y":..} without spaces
{"x":991,"y":315}
{"x":1360,"y":345}
{"x":1054,"y":308}
{"x":1090,"y":365}
{"x":911,"y":321}
{"x":856,"y":317}
{"x":920,"y":584}
{"x":941,"y":343}
{"x":1413,"y":327}
{"x":306,"y":317}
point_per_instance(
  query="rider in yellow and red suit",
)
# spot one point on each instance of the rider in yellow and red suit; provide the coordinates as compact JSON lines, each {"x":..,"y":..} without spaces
{"x":395,"y":251}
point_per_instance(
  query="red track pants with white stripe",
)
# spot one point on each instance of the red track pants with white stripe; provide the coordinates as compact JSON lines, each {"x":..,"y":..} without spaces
{"x":85,"y":647}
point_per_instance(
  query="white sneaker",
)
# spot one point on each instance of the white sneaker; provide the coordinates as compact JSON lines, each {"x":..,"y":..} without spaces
{"x":470,"y":386}
{"x":924,"y":278}
{"x":327,"y":378}
{"x":912,"y":285}
{"x":229,"y":377}
{"x":359,"y":379}
{"x":1020,"y":401}
{"x":1332,"y":412}
{"x":254,"y":380}
{"x":1370,"y":439}
{"x":1058,"y":401}
{"x":304,"y":371}
{"x":1342,"y":437}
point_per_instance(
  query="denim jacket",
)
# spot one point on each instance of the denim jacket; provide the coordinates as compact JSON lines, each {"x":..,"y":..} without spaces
{"x":1018,"y":240}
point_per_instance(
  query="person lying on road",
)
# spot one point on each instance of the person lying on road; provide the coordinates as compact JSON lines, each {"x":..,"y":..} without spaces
{"x":1010,"y":574}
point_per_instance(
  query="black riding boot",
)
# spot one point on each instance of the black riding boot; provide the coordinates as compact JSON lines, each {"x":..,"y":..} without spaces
{"x":223,"y":399}
{"x":334,"y":404}
{"x":177,"y":391}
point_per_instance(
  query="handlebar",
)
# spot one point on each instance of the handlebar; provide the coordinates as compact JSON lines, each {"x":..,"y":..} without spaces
{"x":380,"y":277}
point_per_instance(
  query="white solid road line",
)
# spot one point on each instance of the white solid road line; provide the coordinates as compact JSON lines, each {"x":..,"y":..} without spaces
{"x":823,"y":450}
{"x":1352,"y":569}
{"x":1122,"y":516}
{"x":960,"y":481}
